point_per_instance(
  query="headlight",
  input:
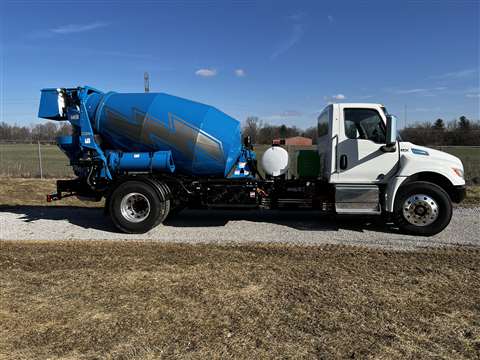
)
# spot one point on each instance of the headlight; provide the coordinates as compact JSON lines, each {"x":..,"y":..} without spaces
{"x":459,"y":172}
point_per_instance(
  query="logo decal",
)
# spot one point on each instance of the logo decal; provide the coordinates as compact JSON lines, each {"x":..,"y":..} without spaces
{"x":420,"y":152}
{"x":175,"y":132}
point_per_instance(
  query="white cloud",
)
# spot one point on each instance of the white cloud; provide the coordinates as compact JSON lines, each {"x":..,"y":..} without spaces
{"x":291,"y":113}
{"x":473,"y":95}
{"x":473,"y":89}
{"x":77,"y":28}
{"x":411,"y":91}
{"x":298,"y":16}
{"x":295,"y":36}
{"x":283,"y":115}
{"x":429,"y":92}
{"x":240,"y":73}
{"x":425,"y":109}
{"x":206,"y":72}
{"x":364,"y":97}
{"x":67,"y":29}
{"x":461,"y":74}
{"x":336,"y":97}
{"x":331,"y":19}
{"x":124,"y":54}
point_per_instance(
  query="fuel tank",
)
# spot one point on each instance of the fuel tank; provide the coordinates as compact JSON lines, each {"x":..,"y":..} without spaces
{"x":203,"y":140}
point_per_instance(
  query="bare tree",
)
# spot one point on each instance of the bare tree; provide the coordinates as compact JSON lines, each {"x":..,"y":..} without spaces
{"x":252,"y":127}
{"x":311,"y":133}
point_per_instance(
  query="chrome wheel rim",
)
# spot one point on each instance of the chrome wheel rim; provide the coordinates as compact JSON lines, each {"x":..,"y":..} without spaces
{"x":420,"y":210}
{"x":135,"y":207}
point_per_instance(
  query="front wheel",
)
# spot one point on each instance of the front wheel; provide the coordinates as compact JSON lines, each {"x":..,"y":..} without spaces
{"x":422,"y":208}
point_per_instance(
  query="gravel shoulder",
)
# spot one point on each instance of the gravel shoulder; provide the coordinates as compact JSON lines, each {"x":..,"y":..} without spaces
{"x":28,"y":222}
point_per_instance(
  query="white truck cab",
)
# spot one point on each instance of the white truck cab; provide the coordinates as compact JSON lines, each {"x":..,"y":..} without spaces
{"x":375,"y":172}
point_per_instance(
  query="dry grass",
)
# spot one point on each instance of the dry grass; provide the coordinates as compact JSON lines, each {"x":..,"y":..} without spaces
{"x":21,"y":191}
{"x":473,"y":195}
{"x":131,"y":300}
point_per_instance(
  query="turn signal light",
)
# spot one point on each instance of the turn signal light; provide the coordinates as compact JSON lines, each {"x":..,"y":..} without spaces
{"x":459,"y":172}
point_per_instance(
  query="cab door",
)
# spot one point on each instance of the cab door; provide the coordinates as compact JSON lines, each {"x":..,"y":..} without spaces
{"x":361,"y":157}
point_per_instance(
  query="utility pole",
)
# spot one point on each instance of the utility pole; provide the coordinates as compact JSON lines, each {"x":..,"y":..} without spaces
{"x":146,"y":82}
{"x":405,"y":117}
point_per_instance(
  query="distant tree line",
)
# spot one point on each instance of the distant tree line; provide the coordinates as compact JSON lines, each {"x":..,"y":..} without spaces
{"x":263,"y":133}
{"x":47,"y":131}
{"x":457,"y":132}
{"x":460,"y":131}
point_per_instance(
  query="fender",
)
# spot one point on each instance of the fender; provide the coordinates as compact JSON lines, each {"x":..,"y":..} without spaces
{"x":424,"y":164}
{"x":429,"y":176}
{"x":414,"y":164}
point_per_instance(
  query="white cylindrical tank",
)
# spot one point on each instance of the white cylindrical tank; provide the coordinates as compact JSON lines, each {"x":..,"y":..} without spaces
{"x":275,"y":161}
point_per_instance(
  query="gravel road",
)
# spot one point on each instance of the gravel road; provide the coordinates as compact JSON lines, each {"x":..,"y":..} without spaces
{"x":299,"y":228}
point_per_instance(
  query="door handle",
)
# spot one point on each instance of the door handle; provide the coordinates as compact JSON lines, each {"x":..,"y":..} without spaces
{"x":343,"y":162}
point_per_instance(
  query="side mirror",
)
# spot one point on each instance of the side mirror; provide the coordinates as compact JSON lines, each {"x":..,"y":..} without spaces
{"x":391,"y":130}
{"x":391,"y":138}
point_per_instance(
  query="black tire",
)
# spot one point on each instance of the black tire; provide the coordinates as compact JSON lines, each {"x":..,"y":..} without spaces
{"x":174,"y":211}
{"x":165,"y":190}
{"x":443,"y":209}
{"x":147,"y":197}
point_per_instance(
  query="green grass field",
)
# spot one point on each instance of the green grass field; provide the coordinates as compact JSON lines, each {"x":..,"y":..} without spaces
{"x":21,"y":160}
{"x":470,"y":157}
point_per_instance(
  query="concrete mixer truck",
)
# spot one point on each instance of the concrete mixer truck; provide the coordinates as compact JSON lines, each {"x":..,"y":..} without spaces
{"x":149,"y":155}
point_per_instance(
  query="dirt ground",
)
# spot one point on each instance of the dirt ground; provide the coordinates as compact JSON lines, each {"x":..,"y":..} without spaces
{"x":143,"y":300}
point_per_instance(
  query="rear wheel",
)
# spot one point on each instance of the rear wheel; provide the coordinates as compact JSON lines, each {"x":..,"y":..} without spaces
{"x":136,"y":207}
{"x":422,"y":208}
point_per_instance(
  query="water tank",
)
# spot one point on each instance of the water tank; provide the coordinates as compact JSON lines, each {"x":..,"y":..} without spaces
{"x":275,"y":161}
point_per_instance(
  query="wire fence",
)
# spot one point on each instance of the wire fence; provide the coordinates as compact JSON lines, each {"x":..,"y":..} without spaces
{"x":45,"y":160}
{"x":33,"y":160}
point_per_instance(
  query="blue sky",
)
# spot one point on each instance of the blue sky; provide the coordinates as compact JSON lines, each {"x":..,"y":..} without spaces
{"x":279,"y":60}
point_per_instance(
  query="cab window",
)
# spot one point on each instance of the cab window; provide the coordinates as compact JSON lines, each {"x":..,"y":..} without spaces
{"x":322,"y":128}
{"x":364,"y":124}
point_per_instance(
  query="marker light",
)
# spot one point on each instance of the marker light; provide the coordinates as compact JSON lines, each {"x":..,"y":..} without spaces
{"x":459,"y":172}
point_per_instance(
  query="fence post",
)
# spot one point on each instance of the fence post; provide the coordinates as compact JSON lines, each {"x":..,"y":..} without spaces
{"x":40,"y":160}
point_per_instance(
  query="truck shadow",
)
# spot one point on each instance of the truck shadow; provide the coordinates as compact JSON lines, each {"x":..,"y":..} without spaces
{"x":94,"y":218}
{"x":300,"y":220}
{"x":88,"y":218}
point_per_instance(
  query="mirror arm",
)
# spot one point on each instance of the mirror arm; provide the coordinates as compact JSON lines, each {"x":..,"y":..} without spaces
{"x":389,"y":147}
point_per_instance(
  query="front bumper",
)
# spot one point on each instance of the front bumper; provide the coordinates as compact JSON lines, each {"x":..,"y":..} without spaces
{"x":459,"y":193}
